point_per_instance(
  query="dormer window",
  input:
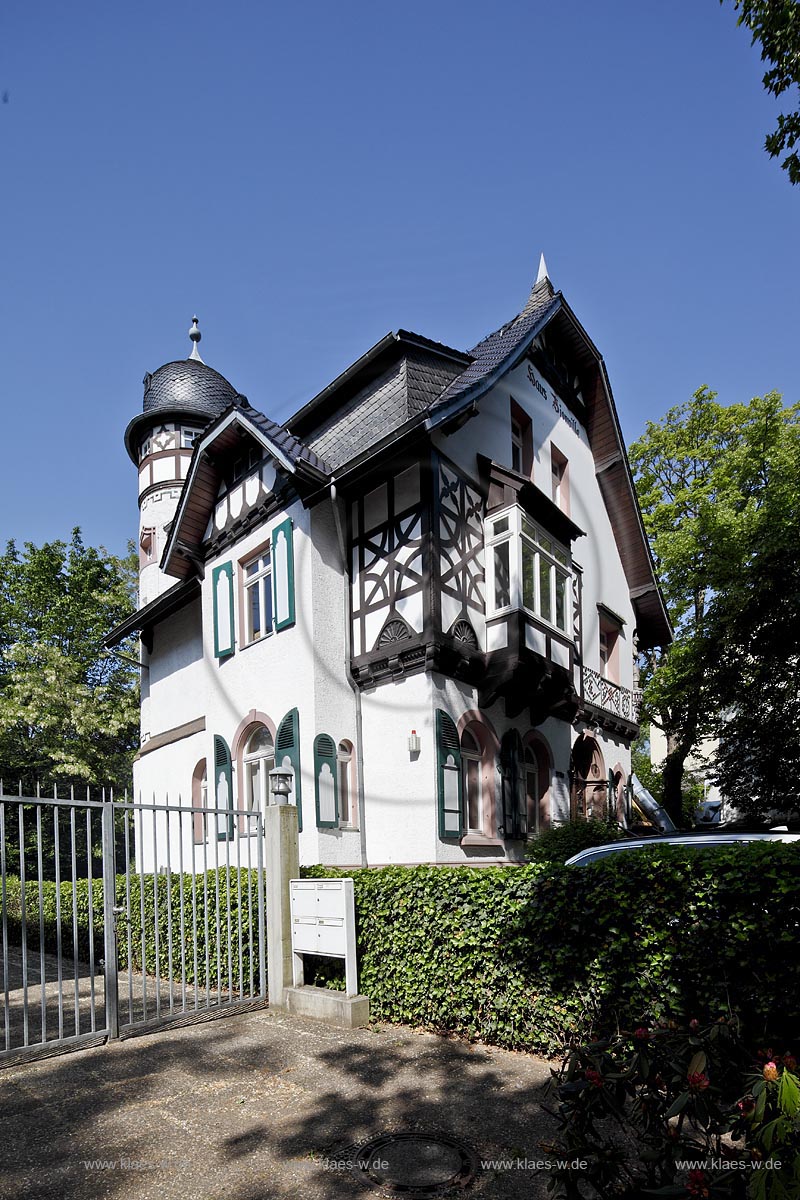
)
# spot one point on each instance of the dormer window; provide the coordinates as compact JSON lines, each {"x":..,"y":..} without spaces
{"x":527,"y":569}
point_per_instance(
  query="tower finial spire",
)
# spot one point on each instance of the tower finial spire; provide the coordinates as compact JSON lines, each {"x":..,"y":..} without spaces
{"x":543,"y":273}
{"x":195,"y":335}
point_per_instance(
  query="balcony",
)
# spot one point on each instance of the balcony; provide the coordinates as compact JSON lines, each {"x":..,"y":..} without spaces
{"x":610,"y":697}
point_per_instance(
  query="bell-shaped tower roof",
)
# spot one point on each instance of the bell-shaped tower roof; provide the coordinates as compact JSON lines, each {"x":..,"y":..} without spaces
{"x":185,"y":390}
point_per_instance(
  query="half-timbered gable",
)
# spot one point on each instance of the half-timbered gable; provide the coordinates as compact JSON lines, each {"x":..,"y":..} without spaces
{"x":421,"y":595}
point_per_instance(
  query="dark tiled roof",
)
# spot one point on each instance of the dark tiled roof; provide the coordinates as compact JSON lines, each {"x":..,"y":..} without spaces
{"x":499,"y":346}
{"x":404,"y":389}
{"x":292,"y":447}
{"x":376,"y":409}
{"x":187,"y":388}
{"x":190,"y":385}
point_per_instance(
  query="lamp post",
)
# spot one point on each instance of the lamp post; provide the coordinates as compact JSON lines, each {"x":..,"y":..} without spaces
{"x":282,"y":864}
{"x":280,"y":784}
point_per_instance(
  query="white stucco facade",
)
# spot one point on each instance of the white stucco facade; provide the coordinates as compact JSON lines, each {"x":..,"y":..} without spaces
{"x":436,"y":639}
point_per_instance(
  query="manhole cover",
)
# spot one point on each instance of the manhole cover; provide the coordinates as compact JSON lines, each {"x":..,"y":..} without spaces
{"x":415,"y":1164}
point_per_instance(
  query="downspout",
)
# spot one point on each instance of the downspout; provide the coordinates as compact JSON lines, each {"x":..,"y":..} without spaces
{"x":362,"y":826}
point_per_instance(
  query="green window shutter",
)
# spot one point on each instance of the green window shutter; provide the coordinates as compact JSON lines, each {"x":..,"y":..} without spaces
{"x":326,"y":785}
{"x":449,"y":781}
{"x":512,"y":770}
{"x":223,"y":789}
{"x":283,"y":575}
{"x":222,"y":589}
{"x":287,"y":753}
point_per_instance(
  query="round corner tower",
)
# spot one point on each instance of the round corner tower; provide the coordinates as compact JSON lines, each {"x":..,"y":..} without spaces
{"x":180,"y":399}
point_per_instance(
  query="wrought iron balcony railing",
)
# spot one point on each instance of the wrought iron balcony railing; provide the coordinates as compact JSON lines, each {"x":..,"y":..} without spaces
{"x":610,"y":696}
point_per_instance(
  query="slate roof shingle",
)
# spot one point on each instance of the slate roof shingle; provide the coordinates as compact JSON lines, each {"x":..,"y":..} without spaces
{"x":495,"y":349}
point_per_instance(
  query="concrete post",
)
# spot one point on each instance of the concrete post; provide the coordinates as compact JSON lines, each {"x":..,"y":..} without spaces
{"x":281,"y":863}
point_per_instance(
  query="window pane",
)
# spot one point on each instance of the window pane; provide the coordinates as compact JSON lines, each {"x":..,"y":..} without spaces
{"x":344,"y":792}
{"x":529,"y":529}
{"x":545,"y":543}
{"x":561,"y":601}
{"x":500,"y":526}
{"x":528,"y":576}
{"x":260,"y":742}
{"x":267,"y":586}
{"x":502,"y":582}
{"x":545,"y":603}
{"x":560,"y":556}
{"x":252,"y":792}
{"x":255,"y":613}
{"x":473,"y":794}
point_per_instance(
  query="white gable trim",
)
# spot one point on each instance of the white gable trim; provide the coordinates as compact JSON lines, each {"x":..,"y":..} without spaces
{"x":233,"y":417}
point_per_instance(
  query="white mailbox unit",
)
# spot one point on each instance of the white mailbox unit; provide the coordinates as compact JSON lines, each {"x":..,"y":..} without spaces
{"x":324,"y":922}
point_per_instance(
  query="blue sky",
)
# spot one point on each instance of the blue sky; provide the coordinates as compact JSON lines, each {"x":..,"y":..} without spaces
{"x":307,"y":177}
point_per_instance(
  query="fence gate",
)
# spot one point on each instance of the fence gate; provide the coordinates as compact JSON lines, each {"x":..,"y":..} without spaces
{"x":118,"y":917}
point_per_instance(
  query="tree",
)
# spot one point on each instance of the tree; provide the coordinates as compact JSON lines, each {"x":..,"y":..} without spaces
{"x":775,"y":24}
{"x":68,"y":709}
{"x":708,"y":478}
{"x":754,"y":622}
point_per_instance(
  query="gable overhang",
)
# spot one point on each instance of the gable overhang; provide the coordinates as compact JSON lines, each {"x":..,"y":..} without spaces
{"x":467,"y":399}
{"x":143,"y":621}
{"x":183,"y":552}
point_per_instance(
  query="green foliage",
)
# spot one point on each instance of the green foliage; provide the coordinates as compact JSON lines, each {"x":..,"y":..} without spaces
{"x":718,"y":487}
{"x":220,"y":913}
{"x":640,"y":1102}
{"x":68,"y":709}
{"x":775,"y":25}
{"x":534,"y":957}
{"x":639,"y":1106}
{"x":769,"y":1124}
{"x":558,"y":844}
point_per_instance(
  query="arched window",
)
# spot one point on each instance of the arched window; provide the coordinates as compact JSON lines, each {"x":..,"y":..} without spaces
{"x":589,"y":781}
{"x":347,"y":798}
{"x":512,"y":775}
{"x":537,"y":784}
{"x":200,"y":801}
{"x":258,"y":761}
{"x":471,"y":790}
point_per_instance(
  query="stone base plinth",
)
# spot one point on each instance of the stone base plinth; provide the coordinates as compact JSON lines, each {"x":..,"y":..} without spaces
{"x":324,"y":1004}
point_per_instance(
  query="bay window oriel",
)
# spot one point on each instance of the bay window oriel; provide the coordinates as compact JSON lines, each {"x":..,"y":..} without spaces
{"x":527,"y":569}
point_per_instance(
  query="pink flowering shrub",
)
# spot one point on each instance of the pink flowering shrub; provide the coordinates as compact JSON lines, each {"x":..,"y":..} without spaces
{"x":677,"y":1111}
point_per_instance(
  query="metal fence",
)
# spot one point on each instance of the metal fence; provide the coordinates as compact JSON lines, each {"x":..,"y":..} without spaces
{"x":118,"y":916}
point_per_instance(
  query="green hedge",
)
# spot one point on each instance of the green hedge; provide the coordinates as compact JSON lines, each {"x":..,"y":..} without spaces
{"x":538,"y":956}
{"x":558,"y":844}
{"x":216,"y":895}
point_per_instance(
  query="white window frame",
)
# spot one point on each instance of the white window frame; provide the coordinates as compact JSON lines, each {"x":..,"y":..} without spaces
{"x":345,"y":763}
{"x":517,"y":445}
{"x":474,"y":757}
{"x":261,"y":580}
{"x":256,"y":766}
{"x":519,"y":531}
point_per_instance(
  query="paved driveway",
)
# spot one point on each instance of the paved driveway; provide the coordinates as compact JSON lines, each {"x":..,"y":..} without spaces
{"x":264,"y":1105}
